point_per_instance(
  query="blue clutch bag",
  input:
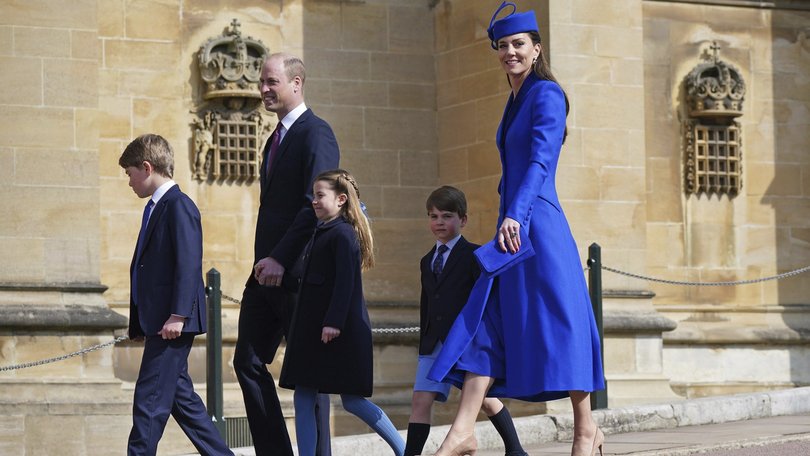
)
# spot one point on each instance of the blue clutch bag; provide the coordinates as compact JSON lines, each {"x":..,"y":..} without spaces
{"x":494,"y":261}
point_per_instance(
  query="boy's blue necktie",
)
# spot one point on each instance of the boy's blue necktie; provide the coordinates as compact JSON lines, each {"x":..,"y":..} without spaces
{"x":438,"y":262}
{"x":141,"y":235}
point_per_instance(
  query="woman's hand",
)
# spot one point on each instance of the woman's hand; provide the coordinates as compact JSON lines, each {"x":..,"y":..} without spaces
{"x":328,"y":333}
{"x":509,"y":235}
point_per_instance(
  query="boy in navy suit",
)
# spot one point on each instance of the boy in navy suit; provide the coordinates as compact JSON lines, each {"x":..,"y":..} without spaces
{"x":449,"y":272}
{"x":167,"y":303}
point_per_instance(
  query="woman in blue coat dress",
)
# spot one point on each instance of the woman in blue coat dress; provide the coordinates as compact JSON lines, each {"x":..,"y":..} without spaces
{"x":528,"y":332}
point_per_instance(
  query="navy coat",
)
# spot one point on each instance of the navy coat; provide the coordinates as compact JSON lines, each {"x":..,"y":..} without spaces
{"x":443,"y":297}
{"x":331,"y":294}
{"x":169,"y":268}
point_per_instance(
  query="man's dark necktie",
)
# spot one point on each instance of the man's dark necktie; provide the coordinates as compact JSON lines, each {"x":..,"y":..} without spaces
{"x":275,"y":140}
{"x":438,"y":262}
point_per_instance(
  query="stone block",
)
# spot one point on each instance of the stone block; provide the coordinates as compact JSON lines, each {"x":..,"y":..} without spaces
{"x":663,"y":244}
{"x":488,"y":113}
{"x":152,"y":84}
{"x":6,"y":40}
{"x":402,"y":67}
{"x":152,"y":19}
{"x":410,"y":28}
{"x":72,"y":260}
{"x":585,"y":69}
{"x":110,"y":151}
{"x":789,"y":402}
{"x":595,"y":106}
{"x":84,"y":45}
{"x":141,"y":55}
{"x":50,"y":13}
{"x":574,"y":39}
{"x":619,"y":221}
{"x":414,"y":240}
{"x":162,"y":117}
{"x":219,"y":236}
{"x":412,"y":96}
{"x":448,"y":94}
{"x":393,"y":129}
{"x":70,"y":83}
{"x":65,"y":168}
{"x":352,"y":65}
{"x":577,"y":182}
{"x":418,"y":168}
{"x":721,"y":409}
{"x":107,"y":434}
{"x":483,"y":160}
{"x":454,"y":126}
{"x":52,"y":211}
{"x":622,"y":184}
{"x":447,"y":66}
{"x":605,"y":147}
{"x":405,"y":202}
{"x":111,"y":19}
{"x":392,"y":282}
{"x":28,"y":254}
{"x":44,"y":433}
{"x":12,"y":434}
{"x":23,"y":85}
{"x":347,"y":122}
{"x":453,"y":165}
{"x":318,"y":91}
{"x":116,"y":117}
{"x":620,"y":354}
{"x":364,"y":26}
{"x":359,"y":93}
{"x":41,"y":42}
{"x":624,"y":13}
{"x":321,"y":30}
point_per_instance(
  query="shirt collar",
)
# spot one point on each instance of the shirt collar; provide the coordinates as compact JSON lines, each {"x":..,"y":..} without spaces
{"x":293,"y":115}
{"x":158,"y":194}
{"x":450,"y":244}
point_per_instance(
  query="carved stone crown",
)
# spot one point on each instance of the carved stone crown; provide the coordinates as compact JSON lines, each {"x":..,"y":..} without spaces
{"x":231,"y":65}
{"x":715,"y":88}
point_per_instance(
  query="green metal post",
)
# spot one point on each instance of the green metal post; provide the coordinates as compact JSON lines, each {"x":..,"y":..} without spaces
{"x":599,"y":399}
{"x":213,"y":371}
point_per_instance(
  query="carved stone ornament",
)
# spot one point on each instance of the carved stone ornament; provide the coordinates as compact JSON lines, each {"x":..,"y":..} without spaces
{"x":228,"y":126}
{"x":715,"y":88}
{"x":712,"y":139}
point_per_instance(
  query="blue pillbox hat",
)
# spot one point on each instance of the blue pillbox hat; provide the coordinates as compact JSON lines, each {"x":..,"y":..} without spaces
{"x":512,"y":23}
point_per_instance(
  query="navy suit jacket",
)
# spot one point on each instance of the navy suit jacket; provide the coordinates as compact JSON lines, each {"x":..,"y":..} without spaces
{"x":443,"y":297}
{"x":286,"y":219}
{"x":169,"y":268}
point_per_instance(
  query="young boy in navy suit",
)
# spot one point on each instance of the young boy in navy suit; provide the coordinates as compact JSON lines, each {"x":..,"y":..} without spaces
{"x":449,"y":272}
{"x":167,"y":303}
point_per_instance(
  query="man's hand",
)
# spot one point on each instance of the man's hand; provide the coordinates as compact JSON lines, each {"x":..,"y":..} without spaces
{"x":328,"y":334}
{"x":173,"y":327}
{"x":268,"y":272}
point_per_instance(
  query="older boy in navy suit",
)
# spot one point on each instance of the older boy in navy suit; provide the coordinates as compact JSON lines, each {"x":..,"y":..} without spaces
{"x":167,"y":303}
{"x":449,"y":272}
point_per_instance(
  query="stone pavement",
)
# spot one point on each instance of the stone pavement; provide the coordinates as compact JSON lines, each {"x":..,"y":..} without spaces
{"x":776,"y":422}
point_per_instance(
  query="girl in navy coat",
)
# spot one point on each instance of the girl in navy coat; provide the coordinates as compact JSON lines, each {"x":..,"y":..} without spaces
{"x":329,"y":348}
{"x":537,"y":339}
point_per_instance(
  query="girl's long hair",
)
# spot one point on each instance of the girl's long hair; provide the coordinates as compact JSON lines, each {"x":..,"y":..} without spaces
{"x":343,"y":183}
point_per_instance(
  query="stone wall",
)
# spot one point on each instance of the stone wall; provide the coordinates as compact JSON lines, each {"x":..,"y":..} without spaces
{"x":762,"y":232}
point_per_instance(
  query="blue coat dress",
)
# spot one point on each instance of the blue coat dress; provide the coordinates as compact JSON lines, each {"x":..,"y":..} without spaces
{"x":531,"y":328}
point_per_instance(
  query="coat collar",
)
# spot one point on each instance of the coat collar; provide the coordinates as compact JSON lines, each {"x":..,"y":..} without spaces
{"x":514,"y":101}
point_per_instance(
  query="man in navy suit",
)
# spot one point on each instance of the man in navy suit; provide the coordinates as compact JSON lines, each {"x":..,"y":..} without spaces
{"x":167,"y":303}
{"x":301,"y":147}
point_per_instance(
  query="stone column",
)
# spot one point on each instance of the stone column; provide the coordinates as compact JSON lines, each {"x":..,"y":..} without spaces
{"x":51,"y":299}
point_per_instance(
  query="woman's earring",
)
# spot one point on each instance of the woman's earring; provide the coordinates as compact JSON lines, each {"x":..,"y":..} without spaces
{"x":534,"y":62}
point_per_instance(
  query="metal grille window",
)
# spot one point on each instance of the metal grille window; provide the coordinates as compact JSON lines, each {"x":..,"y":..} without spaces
{"x":237,"y":149}
{"x":717,"y":159}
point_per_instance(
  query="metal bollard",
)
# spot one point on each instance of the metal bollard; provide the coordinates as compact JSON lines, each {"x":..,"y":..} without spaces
{"x":599,"y":399}
{"x":213,"y":368}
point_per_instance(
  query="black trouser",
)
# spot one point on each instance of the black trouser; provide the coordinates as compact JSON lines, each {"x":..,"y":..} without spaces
{"x":263,"y":320}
